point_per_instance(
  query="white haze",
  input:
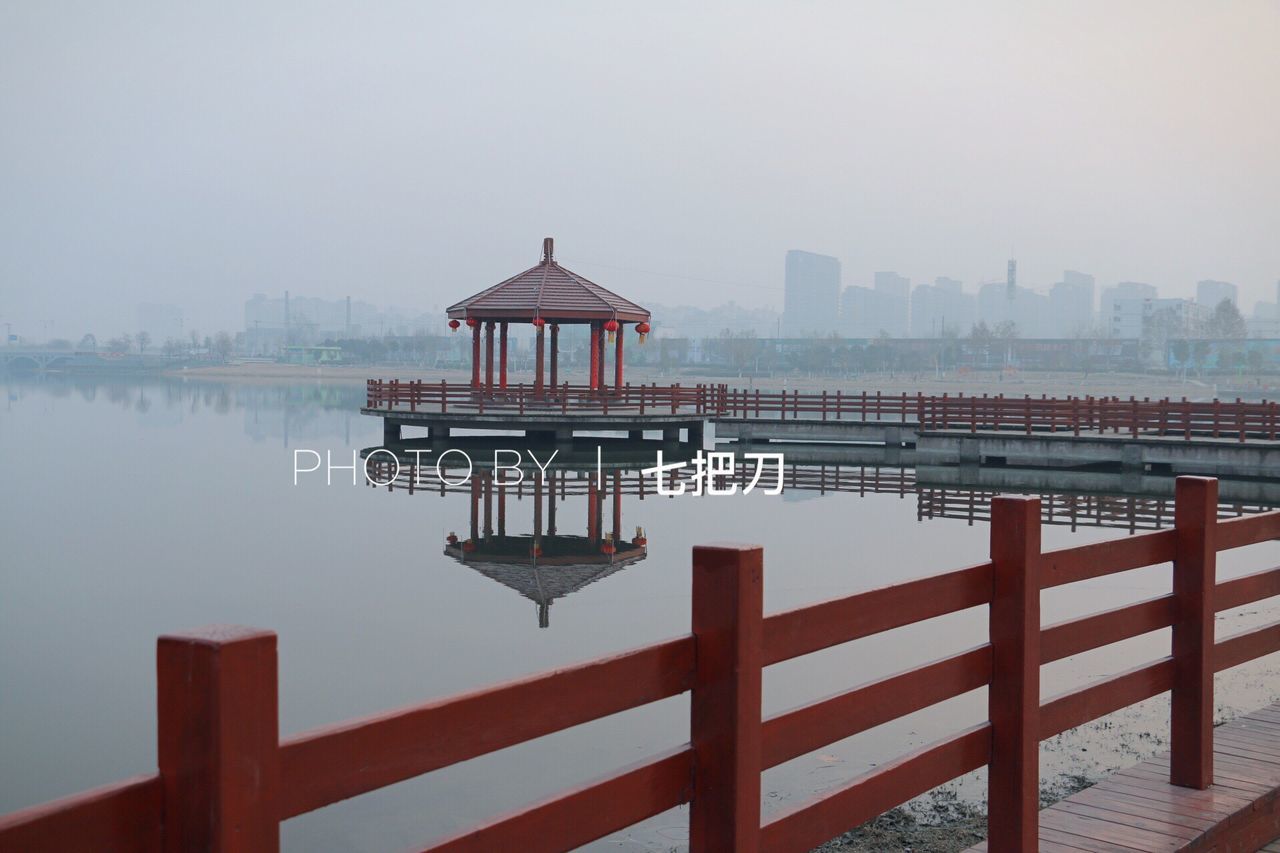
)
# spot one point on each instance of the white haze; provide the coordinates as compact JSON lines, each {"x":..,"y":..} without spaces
{"x":412,"y":153}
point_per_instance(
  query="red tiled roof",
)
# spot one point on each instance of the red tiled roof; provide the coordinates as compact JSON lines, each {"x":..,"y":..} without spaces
{"x":551,"y":292}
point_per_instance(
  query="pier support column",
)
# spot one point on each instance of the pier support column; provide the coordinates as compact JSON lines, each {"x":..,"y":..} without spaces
{"x":671,"y":434}
{"x":697,"y":433}
{"x":1131,"y":457}
{"x":635,"y":434}
{"x":390,"y":431}
{"x":502,"y":356}
{"x":488,"y":356}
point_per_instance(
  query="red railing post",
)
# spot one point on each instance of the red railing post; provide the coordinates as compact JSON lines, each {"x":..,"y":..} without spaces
{"x":219,"y":740}
{"x":1194,"y":568}
{"x":1013,"y":698}
{"x":728,"y":600}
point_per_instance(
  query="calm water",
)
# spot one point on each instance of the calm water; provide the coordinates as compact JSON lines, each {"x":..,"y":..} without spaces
{"x":134,"y":508}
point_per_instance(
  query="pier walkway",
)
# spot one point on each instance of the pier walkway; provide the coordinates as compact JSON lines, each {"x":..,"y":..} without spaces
{"x":1215,"y":438}
{"x":1137,"y":808}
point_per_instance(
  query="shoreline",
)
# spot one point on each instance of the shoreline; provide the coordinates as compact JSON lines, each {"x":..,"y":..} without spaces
{"x":1050,"y":383}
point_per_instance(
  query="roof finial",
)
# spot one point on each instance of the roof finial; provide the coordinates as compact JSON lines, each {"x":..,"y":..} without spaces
{"x":548,"y":249}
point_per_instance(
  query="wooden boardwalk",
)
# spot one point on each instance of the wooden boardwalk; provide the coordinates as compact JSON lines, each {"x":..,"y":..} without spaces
{"x":1137,"y":809}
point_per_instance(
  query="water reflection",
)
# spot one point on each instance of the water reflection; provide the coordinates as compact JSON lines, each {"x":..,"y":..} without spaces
{"x":288,"y":413}
{"x":540,"y":561}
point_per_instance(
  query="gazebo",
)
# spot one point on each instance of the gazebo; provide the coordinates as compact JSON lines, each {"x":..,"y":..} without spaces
{"x":547,"y":295}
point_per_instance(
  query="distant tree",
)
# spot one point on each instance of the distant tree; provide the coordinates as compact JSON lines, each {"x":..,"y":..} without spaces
{"x":88,"y":342}
{"x":172,"y":347}
{"x":1200,"y":354}
{"x":673,"y":351}
{"x":144,"y":340}
{"x":1005,"y":330}
{"x":980,"y":331}
{"x":123,"y":343}
{"x":1180,"y":348}
{"x":223,"y":345}
{"x":739,"y":349}
{"x":1225,"y":322}
{"x":1255,"y":360}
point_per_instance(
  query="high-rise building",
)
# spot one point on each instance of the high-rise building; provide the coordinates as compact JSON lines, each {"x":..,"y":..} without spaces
{"x":1110,"y":313}
{"x":1209,"y":293}
{"x":895,"y":291}
{"x":865,"y":313}
{"x":811,"y":302}
{"x":1071,"y":305}
{"x":941,"y":309}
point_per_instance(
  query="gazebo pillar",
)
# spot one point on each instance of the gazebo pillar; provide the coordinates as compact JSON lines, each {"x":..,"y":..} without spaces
{"x":617,"y":359}
{"x":617,"y":507}
{"x":488,"y":356}
{"x":537,"y":509}
{"x":594,"y":346}
{"x":475,"y":505}
{"x":488,"y":505}
{"x":502,"y":508}
{"x":551,"y":504}
{"x":555,"y":354}
{"x":502,"y":355}
{"x":593,"y":514}
{"x":600,"y":342}
{"x":475,"y":357}
{"x":537,"y":379}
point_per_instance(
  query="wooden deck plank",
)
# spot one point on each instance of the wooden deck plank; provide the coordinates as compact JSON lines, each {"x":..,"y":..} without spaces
{"x":1136,"y":809}
{"x":1150,"y":821}
{"x":1113,"y":801}
{"x":1106,"y":831}
{"x":1079,"y":842}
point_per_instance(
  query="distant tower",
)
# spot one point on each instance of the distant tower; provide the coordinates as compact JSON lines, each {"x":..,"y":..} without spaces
{"x":1011,"y":279}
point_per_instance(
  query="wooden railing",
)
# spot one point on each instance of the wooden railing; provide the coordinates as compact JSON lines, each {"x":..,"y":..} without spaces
{"x":1183,"y":418}
{"x":225,"y":780}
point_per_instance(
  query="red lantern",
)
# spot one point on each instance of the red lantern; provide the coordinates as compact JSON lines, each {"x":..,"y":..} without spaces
{"x":453,"y":538}
{"x":472,"y":322}
{"x":612,"y":328}
{"x":538,"y":322}
{"x":468,"y":546}
{"x":453,"y":325}
{"x":643,"y":330}
{"x":608,"y":548}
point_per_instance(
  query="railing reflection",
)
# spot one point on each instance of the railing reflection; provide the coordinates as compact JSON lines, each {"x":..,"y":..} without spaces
{"x":546,"y":559}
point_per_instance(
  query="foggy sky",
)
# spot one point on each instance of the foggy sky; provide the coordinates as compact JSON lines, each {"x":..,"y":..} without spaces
{"x":413,"y":153}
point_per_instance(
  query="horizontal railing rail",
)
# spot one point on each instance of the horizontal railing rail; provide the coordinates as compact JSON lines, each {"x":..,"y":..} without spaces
{"x":230,"y":791}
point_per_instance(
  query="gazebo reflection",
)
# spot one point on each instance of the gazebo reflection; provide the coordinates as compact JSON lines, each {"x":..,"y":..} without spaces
{"x":545,"y":563}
